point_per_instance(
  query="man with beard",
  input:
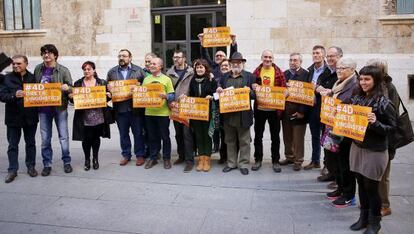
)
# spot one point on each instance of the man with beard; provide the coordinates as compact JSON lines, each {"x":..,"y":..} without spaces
{"x":126,"y":116}
{"x":237,"y":124}
{"x":267,"y":74}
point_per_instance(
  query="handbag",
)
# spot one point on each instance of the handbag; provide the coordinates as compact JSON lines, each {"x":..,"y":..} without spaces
{"x":403,"y":134}
{"x":330,"y":141}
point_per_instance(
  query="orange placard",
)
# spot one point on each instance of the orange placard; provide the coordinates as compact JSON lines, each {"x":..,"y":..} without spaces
{"x":234,"y":100}
{"x":301,"y":92}
{"x":47,"y":94}
{"x":121,"y":89}
{"x":175,"y":114}
{"x":89,"y":97}
{"x":351,"y":121}
{"x":216,"y":37}
{"x":194,"y":108}
{"x":148,"y":95}
{"x":328,"y":110}
{"x":270,"y":97}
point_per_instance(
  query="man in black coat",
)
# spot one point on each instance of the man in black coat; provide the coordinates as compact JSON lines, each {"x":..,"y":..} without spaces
{"x":18,"y":118}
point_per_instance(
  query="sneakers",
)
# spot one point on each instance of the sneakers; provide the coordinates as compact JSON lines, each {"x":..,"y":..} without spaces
{"x":333,"y":195}
{"x":343,"y":202}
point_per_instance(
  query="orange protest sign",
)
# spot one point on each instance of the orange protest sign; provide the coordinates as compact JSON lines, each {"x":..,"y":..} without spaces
{"x":270,"y":97}
{"x":351,"y":121}
{"x":194,"y":108}
{"x":301,"y":92}
{"x":175,"y":114}
{"x":47,"y":94}
{"x":148,"y":95}
{"x":234,"y":100}
{"x":328,"y":110}
{"x":121,"y":89}
{"x":89,"y":97}
{"x":216,"y":37}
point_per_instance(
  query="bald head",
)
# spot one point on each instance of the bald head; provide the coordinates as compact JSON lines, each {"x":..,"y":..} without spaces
{"x":267,"y":58}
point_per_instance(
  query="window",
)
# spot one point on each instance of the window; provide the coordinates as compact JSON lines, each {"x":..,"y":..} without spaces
{"x":21,"y":14}
{"x":405,"y":7}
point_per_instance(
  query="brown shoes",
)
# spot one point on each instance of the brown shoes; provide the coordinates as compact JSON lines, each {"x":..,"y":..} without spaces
{"x":285,"y":162}
{"x":178,"y":161}
{"x":385,"y":211}
{"x":312,"y":165}
{"x":297,"y":166}
{"x":207,"y":164}
{"x":150,"y":163}
{"x":140,"y":161}
{"x":124,"y":161}
{"x":188,"y":167}
{"x":167,"y":164}
{"x":201,"y":161}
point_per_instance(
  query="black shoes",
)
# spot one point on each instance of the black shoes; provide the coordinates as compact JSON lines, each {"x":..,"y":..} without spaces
{"x":227,"y":169}
{"x":276,"y":168}
{"x":95,"y":163}
{"x":67,"y":168}
{"x":46,"y":171}
{"x":244,"y":171}
{"x":10,"y":177}
{"x":257,"y":165}
{"x":31,"y":171}
{"x":87,"y":165}
{"x":188,"y":167}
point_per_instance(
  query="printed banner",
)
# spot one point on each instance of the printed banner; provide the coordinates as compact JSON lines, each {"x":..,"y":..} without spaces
{"x":301,"y":92}
{"x":328,"y":110}
{"x":121,"y":89}
{"x":216,"y":37}
{"x":351,"y":121}
{"x":148,"y":95}
{"x":234,"y":100}
{"x":47,"y":94}
{"x":194,"y":108}
{"x":270,"y":97}
{"x":89,"y":97}
{"x":175,"y":114}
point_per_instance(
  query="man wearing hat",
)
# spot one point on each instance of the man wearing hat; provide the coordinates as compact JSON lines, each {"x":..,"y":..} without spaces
{"x":4,"y":62}
{"x":268,"y":74}
{"x":237,"y":124}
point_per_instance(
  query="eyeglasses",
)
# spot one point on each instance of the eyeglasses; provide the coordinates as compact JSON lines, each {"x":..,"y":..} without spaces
{"x":220,"y":55}
{"x":342,"y":68}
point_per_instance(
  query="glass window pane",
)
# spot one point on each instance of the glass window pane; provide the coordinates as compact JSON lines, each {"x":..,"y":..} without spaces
{"x":175,"y":27}
{"x":27,"y":14}
{"x":18,"y":17}
{"x":8,"y":14}
{"x":221,"y":18}
{"x":157,"y":28}
{"x":198,"y":22}
{"x":405,"y":7}
{"x":36,"y":14}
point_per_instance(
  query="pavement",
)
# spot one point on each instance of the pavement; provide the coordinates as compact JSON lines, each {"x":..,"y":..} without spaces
{"x":130,"y":199}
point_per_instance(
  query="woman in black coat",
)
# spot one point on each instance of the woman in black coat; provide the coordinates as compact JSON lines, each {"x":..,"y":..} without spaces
{"x":91,"y":124}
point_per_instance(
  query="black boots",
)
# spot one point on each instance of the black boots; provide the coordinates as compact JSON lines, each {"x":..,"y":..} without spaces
{"x":87,"y":164}
{"x":362,"y":221}
{"x":95,"y":163}
{"x":373,"y":224}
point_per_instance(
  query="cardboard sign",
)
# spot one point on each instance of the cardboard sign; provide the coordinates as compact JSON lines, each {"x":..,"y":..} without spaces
{"x":234,"y":100}
{"x":328,"y":110}
{"x":194,"y":108}
{"x":270,"y":97}
{"x":148,"y":95}
{"x":89,"y":97}
{"x":216,"y":37}
{"x":175,"y":114}
{"x":47,"y":94}
{"x":351,"y":121}
{"x":121,"y":89}
{"x":301,"y":92}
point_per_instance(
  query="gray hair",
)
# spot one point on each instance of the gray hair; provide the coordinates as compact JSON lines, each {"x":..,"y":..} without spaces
{"x":24,"y":57}
{"x":153,"y":55}
{"x":296,"y":54}
{"x":380,"y":63}
{"x":347,"y":62}
{"x":338,"y":50}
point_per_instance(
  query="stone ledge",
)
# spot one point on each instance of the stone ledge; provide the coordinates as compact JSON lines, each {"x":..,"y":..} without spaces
{"x":24,"y":33}
{"x":397,"y":19}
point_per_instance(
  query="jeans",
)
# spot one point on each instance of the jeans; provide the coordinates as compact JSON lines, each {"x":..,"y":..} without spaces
{"x":158,"y":129}
{"x":61,"y":121}
{"x":315,"y":128}
{"x":125,"y":121}
{"x":13,"y":137}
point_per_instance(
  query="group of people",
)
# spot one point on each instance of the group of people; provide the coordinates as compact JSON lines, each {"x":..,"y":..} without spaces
{"x":364,"y":162}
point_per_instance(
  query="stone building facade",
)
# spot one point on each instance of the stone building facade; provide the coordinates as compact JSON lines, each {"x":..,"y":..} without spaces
{"x":96,"y":30}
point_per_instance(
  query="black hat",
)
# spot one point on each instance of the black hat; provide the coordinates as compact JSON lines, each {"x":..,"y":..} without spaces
{"x":5,"y":61}
{"x":237,"y":56}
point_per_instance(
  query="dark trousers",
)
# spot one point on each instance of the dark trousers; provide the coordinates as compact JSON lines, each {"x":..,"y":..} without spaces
{"x":158,"y":130}
{"x":126,"y":121}
{"x":339,"y":166}
{"x":330,"y":160}
{"x":260,"y":118}
{"x":315,"y":128}
{"x":13,"y":137}
{"x":203,"y":140}
{"x":184,"y":138}
{"x":91,"y":140}
{"x":369,"y":197}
